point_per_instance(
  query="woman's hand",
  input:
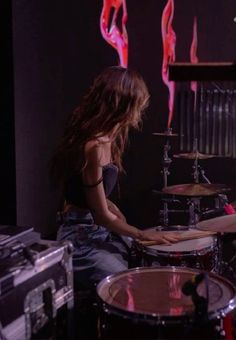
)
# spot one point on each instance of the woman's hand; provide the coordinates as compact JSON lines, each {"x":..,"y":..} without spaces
{"x":152,"y":236}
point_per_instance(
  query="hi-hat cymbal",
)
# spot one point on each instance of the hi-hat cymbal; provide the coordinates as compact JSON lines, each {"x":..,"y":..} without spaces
{"x":222,"y":224}
{"x":195,"y":189}
{"x":193,"y":155}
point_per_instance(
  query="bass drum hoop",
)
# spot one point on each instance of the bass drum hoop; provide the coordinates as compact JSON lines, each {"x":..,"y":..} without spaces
{"x":156,"y":318}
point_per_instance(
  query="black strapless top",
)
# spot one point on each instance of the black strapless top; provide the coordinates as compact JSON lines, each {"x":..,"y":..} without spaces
{"x":74,"y":189}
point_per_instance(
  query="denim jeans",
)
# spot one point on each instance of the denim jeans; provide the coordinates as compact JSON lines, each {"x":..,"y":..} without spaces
{"x":97,"y":252}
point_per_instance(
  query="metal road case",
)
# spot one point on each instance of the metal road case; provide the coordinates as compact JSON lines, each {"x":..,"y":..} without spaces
{"x":35,"y":283}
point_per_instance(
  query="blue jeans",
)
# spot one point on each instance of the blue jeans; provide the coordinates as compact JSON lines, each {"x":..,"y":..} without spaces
{"x":97,"y":252}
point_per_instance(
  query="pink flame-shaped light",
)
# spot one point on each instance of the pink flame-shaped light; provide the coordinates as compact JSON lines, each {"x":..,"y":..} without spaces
{"x":193,"y":52}
{"x":169,"y":41}
{"x":116,"y":38}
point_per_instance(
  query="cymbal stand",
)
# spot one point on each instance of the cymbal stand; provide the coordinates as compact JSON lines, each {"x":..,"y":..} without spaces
{"x":197,"y":171}
{"x":221,"y":200}
{"x":206,"y":179}
{"x":166,"y":162}
{"x":195,"y":164}
{"x":194,"y":202}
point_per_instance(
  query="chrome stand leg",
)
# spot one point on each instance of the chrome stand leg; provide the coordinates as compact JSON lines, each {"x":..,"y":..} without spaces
{"x":194,"y":211}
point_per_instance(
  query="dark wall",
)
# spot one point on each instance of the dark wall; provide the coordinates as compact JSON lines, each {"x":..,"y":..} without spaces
{"x":39,"y":105}
{"x":7,"y":128}
{"x":58,"y":49}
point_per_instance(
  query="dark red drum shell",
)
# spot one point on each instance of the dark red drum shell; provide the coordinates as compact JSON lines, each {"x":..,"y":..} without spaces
{"x":200,"y":253}
{"x":155,"y":293}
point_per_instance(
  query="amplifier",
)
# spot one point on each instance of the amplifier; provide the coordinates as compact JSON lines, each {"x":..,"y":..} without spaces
{"x":35,"y":283}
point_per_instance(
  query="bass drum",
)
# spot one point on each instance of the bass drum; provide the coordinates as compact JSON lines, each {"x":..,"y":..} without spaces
{"x":148,"y":303}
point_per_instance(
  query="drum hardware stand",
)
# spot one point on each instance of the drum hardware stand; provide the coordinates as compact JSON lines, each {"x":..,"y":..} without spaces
{"x":221,"y":200}
{"x":194,"y":203}
{"x":232,"y":259}
{"x":198,"y":170}
{"x":194,"y":211}
{"x":225,"y":267}
{"x":166,"y":162}
{"x":164,"y":213}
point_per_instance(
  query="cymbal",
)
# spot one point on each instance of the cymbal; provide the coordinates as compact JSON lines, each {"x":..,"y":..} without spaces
{"x":193,"y":155}
{"x":222,"y":224}
{"x":195,"y":189}
{"x":165,"y":134}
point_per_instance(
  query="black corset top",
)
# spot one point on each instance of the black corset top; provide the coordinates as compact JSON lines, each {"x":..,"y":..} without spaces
{"x":74,"y":188}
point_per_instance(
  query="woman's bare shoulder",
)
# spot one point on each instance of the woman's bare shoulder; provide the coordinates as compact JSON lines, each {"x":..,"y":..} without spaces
{"x":94,"y":151}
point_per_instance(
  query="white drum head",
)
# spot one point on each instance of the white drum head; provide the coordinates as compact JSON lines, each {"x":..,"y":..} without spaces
{"x":187,"y":245}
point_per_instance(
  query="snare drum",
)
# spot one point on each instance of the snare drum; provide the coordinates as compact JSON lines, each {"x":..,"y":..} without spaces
{"x":148,"y":303}
{"x":200,"y":253}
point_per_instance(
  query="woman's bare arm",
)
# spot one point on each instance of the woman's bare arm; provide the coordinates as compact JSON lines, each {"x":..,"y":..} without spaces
{"x":115,"y":210}
{"x":99,"y":205}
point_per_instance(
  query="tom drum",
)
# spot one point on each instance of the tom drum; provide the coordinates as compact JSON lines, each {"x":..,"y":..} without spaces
{"x":200,"y":253}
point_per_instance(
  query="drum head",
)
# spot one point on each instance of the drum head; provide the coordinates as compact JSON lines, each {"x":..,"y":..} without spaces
{"x":196,"y":244}
{"x":156,"y":293}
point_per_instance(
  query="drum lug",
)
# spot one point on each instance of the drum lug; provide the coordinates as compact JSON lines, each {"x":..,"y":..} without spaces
{"x":220,"y":331}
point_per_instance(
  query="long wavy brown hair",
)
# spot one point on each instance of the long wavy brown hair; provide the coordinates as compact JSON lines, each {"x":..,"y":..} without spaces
{"x":115,"y":101}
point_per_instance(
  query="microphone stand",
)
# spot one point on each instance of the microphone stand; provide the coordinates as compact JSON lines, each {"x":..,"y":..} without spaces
{"x":200,"y":302}
{"x":201,"y":307}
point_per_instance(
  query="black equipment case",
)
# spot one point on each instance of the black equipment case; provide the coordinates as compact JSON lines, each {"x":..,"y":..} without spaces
{"x":35,"y":283}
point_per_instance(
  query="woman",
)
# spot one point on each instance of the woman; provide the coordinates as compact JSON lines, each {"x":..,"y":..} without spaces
{"x":86,"y":165}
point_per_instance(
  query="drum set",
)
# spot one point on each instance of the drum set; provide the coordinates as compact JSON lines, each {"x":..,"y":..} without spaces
{"x":177,"y":291}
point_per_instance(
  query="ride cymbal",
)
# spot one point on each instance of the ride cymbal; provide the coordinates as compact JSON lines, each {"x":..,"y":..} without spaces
{"x":193,"y":155}
{"x":195,"y":189}
{"x":222,"y":224}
